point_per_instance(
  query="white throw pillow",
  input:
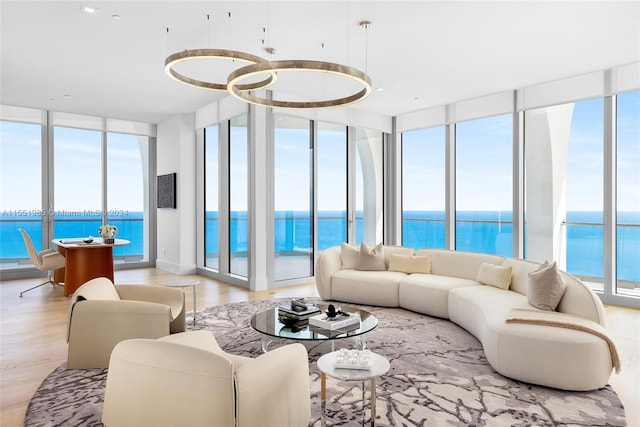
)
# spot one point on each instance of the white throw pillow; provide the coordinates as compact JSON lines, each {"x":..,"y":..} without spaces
{"x":495,"y":275}
{"x":546,"y":287}
{"x":410,"y":263}
{"x":349,"y":256}
{"x":371,"y":258}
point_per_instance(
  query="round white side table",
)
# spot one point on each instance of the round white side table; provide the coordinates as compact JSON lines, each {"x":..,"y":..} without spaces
{"x":380,"y":366}
{"x":185,"y":283}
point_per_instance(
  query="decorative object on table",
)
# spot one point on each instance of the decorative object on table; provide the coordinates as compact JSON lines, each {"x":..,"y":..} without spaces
{"x":332,"y":313}
{"x":108,"y":233}
{"x":353,"y":359}
{"x":293,"y":322}
{"x":346,"y":331}
{"x":297,"y":309}
{"x":88,"y":240}
{"x":334,"y":319}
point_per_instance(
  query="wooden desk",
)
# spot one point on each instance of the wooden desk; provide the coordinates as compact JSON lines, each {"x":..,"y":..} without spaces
{"x":86,"y":261}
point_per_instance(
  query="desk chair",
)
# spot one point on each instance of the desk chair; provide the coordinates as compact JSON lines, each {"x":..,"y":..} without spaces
{"x":46,"y":260}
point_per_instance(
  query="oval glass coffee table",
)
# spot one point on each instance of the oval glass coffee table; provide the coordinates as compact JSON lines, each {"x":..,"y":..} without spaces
{"x":269,"y":324}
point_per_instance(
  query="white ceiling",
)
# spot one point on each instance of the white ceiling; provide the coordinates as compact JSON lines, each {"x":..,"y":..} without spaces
{"x":422,"y":53}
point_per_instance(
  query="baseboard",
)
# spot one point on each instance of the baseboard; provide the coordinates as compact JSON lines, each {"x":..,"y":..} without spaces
{"x":175,"y":268}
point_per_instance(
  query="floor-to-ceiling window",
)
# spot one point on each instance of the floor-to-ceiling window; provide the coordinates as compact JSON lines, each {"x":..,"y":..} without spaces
{"x":584,"y":191}
{"x":293,"y":217}
{"x":20,"y":190}
{"x":128,"y":193}
{"x":211,"y":225}
{"x":77,"y":182}
{"x":331,"y":185}
{"x":628,"y":193}
{"x":65,"y":181}
{"x":238,"y":196}
{"x":484,"y":185}
{"x":423,"y":188}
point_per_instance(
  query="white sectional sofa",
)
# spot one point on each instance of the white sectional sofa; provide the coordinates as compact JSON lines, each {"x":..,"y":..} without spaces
{"x":566,"y":348}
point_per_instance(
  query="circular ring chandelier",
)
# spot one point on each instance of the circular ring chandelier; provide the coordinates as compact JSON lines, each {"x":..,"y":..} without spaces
{"x":240,"y":91}
{"x":193,"y":54}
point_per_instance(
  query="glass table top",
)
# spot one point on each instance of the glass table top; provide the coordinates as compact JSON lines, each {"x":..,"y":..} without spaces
{"x":269,"y":322}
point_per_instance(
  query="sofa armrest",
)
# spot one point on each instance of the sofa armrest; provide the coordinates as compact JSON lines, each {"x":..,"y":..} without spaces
{"x":329,"y":261}
{"x":96,"y":326}
{"x":273,"y":390}
{"x":173,"y":297}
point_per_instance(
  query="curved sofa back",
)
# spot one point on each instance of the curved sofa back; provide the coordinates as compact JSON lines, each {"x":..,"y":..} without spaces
{"x":330,"y":260}
{"x":461,"y":264}
{"x":578,"y":299}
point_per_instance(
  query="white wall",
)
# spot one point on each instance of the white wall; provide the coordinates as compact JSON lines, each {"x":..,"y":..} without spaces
{"x":176,"y":228}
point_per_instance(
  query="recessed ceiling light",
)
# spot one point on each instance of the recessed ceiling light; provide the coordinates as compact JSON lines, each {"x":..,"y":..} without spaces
{"x":88,"y":9}
{"x":68,"y":96}
{"x":116,"y":17}
{"x":379,"y":89}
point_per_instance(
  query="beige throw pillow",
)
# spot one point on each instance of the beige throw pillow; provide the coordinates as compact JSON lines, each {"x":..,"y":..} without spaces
{"x":546,"y":287}
{"x":410,"y":263}
{"x":349,"y":256}
{"x":371,"y":258}
{"x":495,"y":275}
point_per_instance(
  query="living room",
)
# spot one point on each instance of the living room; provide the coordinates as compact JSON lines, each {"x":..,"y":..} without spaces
{"x":181,"y":126}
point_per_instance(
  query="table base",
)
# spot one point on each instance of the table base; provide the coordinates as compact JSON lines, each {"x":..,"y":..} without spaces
{"x":85,"y":264}
{"x":372,"y":400}
{"x":185,"y":283}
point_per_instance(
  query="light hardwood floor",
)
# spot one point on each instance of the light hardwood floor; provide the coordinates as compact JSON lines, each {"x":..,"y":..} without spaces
{"x":32,"y":335}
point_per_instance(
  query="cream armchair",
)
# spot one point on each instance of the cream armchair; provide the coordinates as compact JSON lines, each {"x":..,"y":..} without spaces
{"x":188,"y":380}
{"x":103,"y":314}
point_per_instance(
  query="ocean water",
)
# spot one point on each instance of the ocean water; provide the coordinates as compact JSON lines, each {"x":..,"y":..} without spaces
{"x":482,"y":231}
{"x":77,"y":224}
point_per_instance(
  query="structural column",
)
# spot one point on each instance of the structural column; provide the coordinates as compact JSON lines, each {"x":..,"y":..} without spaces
{"x":547,"y":140}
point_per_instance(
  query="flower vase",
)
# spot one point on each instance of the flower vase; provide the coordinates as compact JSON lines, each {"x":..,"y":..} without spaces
{"x":110,"y":241}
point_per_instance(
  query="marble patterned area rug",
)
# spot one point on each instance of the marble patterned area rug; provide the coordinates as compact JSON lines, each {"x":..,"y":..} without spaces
{"x":439,"y":377}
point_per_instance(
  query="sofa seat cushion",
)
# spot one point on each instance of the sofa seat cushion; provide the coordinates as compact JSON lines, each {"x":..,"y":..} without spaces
{"x":554,"y":357}
{"x":429,"y":293}
{"x":483,"y":308}
{"x":378,"y":288}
